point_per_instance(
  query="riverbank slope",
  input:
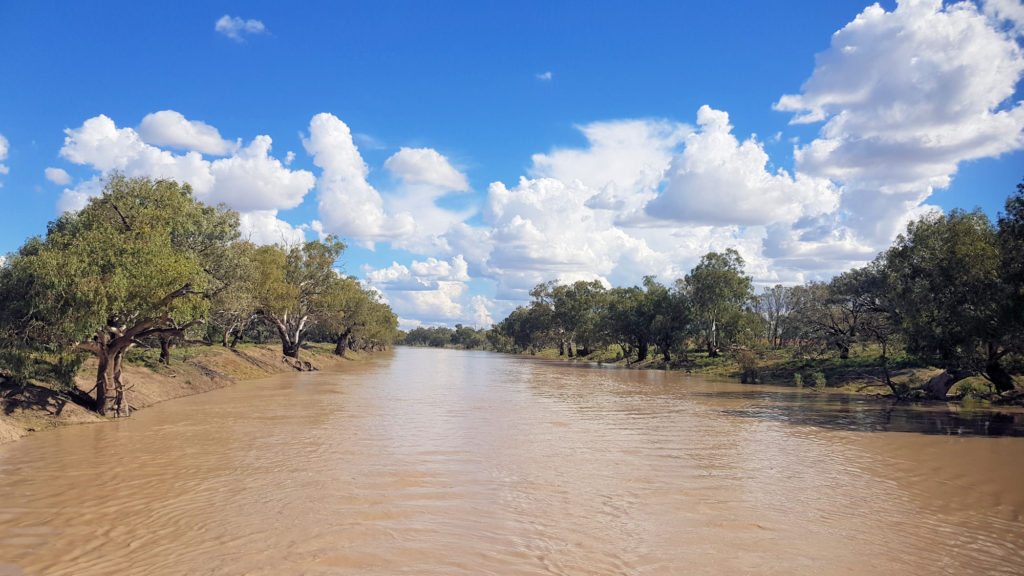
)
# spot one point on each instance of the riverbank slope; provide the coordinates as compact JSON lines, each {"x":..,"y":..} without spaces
{"x":39,"y":406}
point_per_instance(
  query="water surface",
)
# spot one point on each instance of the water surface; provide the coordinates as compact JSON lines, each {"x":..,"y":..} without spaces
{"x":430,"y":461}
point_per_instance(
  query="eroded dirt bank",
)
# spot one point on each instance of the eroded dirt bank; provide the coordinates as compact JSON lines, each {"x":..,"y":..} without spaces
{"x":29,"y":408}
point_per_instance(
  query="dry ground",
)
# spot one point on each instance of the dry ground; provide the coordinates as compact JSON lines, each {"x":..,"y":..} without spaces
{"x":38,"y":406}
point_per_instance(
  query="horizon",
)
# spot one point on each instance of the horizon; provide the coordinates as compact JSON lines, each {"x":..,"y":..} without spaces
{"x":466,"y":154}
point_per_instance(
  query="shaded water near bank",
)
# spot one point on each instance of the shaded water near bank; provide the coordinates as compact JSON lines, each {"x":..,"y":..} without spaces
{"x":429,"y":461}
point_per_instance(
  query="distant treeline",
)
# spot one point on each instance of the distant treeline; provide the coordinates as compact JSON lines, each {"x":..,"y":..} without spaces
{"x":146,"y":264}
{"x":461,"y":336}
{"x":950,"y":292}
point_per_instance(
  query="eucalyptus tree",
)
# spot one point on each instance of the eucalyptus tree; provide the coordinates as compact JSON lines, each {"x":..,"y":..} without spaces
{"x":944,"y":277}
{"x":718,"y":290}
{"x":233,"y":310}
{"x":1010,"y":236}
{"x":139,"y":261}
{"x":296,"y":288}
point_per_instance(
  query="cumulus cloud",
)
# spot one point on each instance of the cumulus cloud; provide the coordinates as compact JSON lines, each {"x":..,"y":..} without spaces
{"x":58,"y":176}
{"x":102,"y":145}
{"x":718,"y":180}
{"x":349,"y":205}
{"x":481,"y":312}
{"x":250,"y":179}
{"x":624,"y":161}
{"x":542,"y":230}
{"x":905,"y":97}
{"x":430,"y":291}
{"x":426,"y":166}
{"x":3,"y":155}
{"x":236,"y":28}
{"x":170,"y":128}
{"x":74,"y":199}
{"x":545,"y":76}
{"x":264,"y":227}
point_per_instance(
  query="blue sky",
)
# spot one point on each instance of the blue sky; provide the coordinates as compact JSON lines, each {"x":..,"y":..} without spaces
{"x":467,"y":151}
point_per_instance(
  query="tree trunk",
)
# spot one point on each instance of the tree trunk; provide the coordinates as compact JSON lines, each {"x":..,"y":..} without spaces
{"x":561,"y":347}
{"x":224,"y":339}
{"x":998,"y":376}
{"x":110,"y":400}
{"x":572,"y":354}
{"x":641,"y":351}
{"x":290,"y":349}
{"x":844,"y":351}
{"x":165,"y":351}
{"x":666,"y":354}
{"x":343,"y":343}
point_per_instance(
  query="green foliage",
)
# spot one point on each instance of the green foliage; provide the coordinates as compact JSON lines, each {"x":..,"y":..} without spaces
{"x":950,"y":292}
{"x":749,"y":366}
{"x":818,"y":380}
{"x":718,"y":291}
{"x":798,"y":380}
{"x":116,"y":263}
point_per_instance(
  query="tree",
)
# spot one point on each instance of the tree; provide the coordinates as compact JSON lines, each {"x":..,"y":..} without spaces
{"x":233,"y":310}
{"x":138,"y":261}
{"x":1010,"y":236}
{"x":294,"y":291}
{"x":670,"y":314}
{"x":944,"y":276}
{"x":628,"y":321}
{"x":718,"y":291}
{"x":773,"y":305}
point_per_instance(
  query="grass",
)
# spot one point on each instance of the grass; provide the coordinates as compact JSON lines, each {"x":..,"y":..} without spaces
{"x":861,"y":373}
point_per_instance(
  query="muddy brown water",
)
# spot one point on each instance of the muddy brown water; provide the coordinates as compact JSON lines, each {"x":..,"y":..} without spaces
{"x":446,"y":462}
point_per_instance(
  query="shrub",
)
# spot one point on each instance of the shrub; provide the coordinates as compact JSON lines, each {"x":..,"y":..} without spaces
{"x":748,"y":362}
{"x":819,"y":380}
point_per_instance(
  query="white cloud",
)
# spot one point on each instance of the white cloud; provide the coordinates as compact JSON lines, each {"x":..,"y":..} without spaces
{"x":4,"y":146}
{"x":480,"y":306}
{"x":74,"y":199}
{"x":905,"y":97}
{"x":235,"y":27}
{"x":407,"y":217}
{"x":908,"y":94}
{"x":426,"y":166}
{"x":264,"y":227}
{"x":170,"y":129}
{"x":102,"y":145}
{"x":58,"y":176}
{"x":1011,"y":11}
{"x":349,"y":205}
{"x":250,"y":179}
{"x":624,"y":161}
{"x":430,"y":291}
{"x":253,"y":180}
{"x":718,"y":180}
{"x":545,"y":76}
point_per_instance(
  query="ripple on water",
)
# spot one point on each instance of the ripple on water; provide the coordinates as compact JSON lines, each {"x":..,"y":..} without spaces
{"x":447,"y":462}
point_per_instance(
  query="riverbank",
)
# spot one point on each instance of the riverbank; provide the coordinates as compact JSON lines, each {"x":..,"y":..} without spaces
{"x":193,"y":370}
{"x":858,"y":374}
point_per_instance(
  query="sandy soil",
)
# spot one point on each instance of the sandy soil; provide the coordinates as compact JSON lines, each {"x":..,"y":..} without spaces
{"x":30,"y":408}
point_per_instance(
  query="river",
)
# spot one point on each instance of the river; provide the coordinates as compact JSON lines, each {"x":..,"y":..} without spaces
{"x":424,"y":461}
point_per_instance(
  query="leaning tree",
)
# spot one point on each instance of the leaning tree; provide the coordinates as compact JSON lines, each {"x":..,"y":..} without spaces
{"x":139,"y":261}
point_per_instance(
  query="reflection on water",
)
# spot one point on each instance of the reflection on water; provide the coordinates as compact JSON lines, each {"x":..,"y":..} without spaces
{"x":861,"y":414}
{"x":447,"y":462}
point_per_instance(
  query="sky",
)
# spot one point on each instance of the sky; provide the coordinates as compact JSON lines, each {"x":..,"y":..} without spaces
{"x":467,"y":151}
